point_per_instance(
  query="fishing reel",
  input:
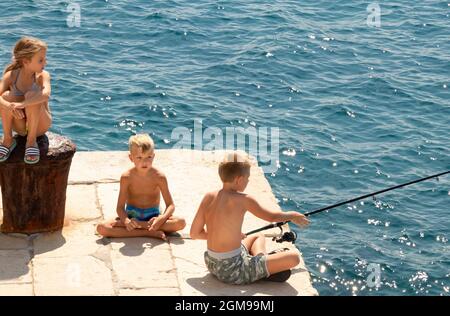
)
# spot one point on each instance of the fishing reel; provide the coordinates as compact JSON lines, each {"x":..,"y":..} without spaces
{"x":285,"y":236}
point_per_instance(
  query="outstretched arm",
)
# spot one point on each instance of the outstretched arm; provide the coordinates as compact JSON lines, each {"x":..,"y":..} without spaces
{"x":198,"y":230}
{"x":274,"y":216}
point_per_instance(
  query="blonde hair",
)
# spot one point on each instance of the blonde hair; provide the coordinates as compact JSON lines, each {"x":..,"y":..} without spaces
{"x":25,"y":48}
{"x":234,"y":165}
{"x":142,"y":141}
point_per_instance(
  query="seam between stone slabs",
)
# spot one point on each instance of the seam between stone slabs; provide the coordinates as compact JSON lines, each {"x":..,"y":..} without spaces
{"x":106,"y":243}
{"x":31,"y":252}
{"x":186,"y":260}
{"x":107,"y":261}
{"x":30,"y":248}
{"x":172,"y":257}
{"x":97,"y":202}
{"x":106,"y":181}
{"x":132,"y":287}
{"x":115,"y":280}
{"x":86,"y":220}
{"x":97,"y":206}
{"x":136,"y":288}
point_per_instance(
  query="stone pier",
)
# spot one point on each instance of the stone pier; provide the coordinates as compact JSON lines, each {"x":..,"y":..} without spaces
{"x":76,"y":261}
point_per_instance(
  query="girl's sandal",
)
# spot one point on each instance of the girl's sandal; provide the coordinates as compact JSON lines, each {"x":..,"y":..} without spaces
{"x":31,"y":151}
{"x":6,"y":152}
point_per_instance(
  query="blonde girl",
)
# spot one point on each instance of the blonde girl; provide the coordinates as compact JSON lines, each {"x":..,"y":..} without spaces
{"x":24,"y":94}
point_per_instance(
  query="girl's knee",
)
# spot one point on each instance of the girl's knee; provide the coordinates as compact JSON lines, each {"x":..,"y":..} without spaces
{"x":29,"y":94}
{"x":34,"y":109}
{"x":36,"y":106}
{"x":6,"y":95}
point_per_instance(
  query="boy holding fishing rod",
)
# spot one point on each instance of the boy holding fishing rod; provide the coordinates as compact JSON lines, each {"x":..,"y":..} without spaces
{"x":231,"y":256}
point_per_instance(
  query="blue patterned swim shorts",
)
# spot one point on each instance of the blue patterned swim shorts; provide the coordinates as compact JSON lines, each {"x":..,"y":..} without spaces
{"x":141,"y":214}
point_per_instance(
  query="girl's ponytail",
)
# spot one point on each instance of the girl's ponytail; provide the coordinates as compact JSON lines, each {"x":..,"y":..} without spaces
{"x":12,"y":66}
{"x":25,"y":48}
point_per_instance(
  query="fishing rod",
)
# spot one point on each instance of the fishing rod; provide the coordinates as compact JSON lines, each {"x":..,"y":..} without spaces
{"x":291,"y":236}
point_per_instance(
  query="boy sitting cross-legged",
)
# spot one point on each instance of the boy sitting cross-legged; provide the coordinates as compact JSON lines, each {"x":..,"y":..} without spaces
{"x":232,"y":257}
{"x":139,"y":197}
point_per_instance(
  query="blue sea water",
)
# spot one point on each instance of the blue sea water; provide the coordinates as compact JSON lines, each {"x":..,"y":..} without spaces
{"x":359,"y":109}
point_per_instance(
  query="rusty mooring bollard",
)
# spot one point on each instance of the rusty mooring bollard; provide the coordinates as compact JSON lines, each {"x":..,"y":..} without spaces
{"x":34,"y":196}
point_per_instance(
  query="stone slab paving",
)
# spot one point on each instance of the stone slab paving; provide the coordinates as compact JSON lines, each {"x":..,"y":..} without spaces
{"x":76,"y":261}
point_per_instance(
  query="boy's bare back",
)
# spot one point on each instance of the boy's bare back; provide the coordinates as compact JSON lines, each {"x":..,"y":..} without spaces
{"x":223,"y":215}
{"x":143,"y":191}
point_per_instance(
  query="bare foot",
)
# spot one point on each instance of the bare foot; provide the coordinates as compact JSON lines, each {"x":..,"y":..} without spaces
{"x":157,"y":234}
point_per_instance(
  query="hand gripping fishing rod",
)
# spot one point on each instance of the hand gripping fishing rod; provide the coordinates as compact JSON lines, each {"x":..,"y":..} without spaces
{"x":290,"y":236}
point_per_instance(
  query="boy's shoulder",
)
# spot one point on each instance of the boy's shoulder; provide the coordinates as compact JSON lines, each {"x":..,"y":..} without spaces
{"x":154,"y":173}
{"x":209,"y":197}
{"x":247,"y":197}
{"x":157,"y":173}
{"x":126,"y":174}
{"x":239,"y":196}
{"x":211,"y":194}
{"x":235,"y":195}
